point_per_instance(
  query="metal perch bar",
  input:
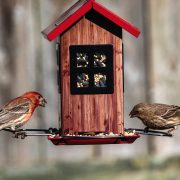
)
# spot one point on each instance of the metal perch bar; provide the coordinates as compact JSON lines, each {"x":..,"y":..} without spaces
{"x":149,"y":132}
{"x":33,"y":132}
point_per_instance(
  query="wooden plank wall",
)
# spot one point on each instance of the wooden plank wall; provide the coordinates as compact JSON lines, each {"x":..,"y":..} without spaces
{"x":82,"y":113}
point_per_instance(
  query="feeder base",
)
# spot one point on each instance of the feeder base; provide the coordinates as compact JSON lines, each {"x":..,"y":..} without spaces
{"x":92,"y":140}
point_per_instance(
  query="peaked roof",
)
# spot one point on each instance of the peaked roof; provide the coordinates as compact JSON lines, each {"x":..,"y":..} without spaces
{"x":77,"y":11}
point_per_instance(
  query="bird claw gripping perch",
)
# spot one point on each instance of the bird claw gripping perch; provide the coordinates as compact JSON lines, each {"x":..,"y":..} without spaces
{"x":23,"y":133}
{"x":18,"y":134}
{"x":149,"y":132}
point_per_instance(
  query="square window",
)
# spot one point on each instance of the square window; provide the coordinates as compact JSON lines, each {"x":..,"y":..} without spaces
{"x":100,"y":60}
{"x":82,"y":80}
{"x":91,"y":69}
{"x":100,"y":80}
{"x":82,"y":59}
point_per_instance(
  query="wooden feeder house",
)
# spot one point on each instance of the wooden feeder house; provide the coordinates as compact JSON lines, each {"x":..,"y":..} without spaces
{"x":90,"y":76}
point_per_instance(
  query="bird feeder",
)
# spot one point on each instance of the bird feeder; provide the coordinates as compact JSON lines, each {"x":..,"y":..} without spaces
{"x":90,"y":61}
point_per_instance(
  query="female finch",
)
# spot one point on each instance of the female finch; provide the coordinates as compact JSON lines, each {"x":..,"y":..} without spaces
{"x":157,"y":116}
{"x":18,"y":111}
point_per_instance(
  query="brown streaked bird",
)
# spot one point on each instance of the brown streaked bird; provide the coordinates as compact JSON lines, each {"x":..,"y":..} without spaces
{"x":157,"y":116}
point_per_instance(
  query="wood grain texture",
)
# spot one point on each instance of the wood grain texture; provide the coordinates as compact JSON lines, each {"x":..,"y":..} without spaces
{"x":82,"y":113}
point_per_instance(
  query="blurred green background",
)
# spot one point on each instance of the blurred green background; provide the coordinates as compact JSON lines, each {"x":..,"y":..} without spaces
{"x":152,"y":71}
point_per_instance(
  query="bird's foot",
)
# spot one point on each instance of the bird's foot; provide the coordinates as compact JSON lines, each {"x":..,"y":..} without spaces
{"x":146,"y":130}
{"x":19,"y":133}
{"x":171,"y":130}
{"x":170,"y":134}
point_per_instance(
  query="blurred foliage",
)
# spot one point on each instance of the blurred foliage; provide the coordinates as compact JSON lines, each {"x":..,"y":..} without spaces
{"x":141,"y":168}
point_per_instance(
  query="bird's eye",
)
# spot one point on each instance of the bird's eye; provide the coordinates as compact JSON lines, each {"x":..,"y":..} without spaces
{"x":39,"y":97}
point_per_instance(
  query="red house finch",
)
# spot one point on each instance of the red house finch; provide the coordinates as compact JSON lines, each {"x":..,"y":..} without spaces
{"x":157,"y":116}
{"x":18,"y":111}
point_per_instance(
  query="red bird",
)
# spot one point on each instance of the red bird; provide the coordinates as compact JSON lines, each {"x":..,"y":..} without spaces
{"x":18,"y":111}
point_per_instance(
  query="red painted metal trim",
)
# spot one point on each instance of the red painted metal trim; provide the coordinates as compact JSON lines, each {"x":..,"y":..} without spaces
{"x":82,"y":11}
{"x":69,"y":21}
{"x":74,"y":140}
{"x":116,"y":19}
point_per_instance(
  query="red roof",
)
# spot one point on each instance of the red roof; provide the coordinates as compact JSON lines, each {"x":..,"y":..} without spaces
{"x":78,"y":10}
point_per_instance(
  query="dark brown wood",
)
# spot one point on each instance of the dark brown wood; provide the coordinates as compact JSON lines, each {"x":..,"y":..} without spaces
{"x":82,"y":113}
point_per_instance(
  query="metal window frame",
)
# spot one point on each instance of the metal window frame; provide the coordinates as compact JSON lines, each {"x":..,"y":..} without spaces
{"x":107,"y":49}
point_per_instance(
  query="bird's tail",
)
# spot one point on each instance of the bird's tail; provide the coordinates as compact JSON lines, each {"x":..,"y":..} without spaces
{"x":173,"y":122}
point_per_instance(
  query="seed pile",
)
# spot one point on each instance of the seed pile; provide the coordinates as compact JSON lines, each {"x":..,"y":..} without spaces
{"x":99,"y":134}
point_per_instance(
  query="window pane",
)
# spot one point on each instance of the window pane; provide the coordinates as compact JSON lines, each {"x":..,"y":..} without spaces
{"x":82,"y":59}
{"x":100,"y":60}
{"x":82,"y":80}
{"x":100,"y":80}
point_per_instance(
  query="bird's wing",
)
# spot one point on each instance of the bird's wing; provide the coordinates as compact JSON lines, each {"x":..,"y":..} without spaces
{"x":14,"y":110}
{"x":170,"y":112}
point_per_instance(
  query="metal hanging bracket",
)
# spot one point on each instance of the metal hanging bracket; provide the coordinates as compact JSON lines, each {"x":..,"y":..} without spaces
{"x":149,"y":132}
{"x":23,"y":133}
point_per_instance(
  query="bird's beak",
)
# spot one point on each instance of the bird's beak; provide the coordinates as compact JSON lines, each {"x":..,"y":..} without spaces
{"x":43,"y":102}
{"x":132,"y":114}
